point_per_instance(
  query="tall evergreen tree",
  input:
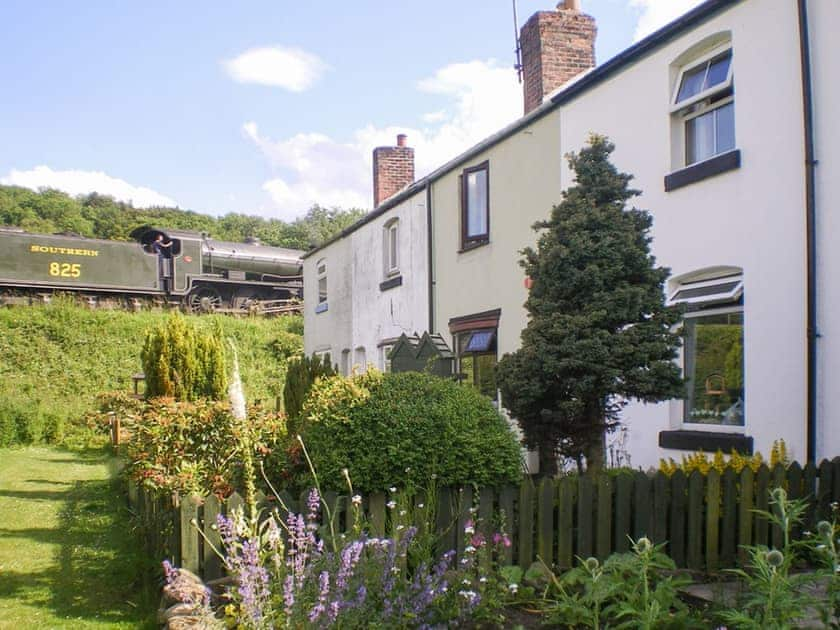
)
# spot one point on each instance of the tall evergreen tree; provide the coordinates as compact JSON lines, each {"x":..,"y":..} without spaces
{"x":599,"y":332}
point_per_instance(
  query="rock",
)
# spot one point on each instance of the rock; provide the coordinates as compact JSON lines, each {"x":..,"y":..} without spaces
{"x":178,"y":610}
{"x":185,"y":623}
{"x":184,"y":589}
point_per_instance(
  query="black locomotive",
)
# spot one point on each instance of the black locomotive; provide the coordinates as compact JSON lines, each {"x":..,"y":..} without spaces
{"x":178,"y":266}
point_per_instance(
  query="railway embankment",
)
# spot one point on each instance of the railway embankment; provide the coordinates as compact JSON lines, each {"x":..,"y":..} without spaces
{"x":56,"y":358}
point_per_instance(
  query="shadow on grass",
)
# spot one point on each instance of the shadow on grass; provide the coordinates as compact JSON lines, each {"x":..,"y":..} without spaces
{"x":100,"y":574}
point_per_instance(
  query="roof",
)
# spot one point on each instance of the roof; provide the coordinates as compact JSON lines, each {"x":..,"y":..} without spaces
{"x":572,"y":90}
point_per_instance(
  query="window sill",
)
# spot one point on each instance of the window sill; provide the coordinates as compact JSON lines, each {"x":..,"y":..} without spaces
{"x":390,"y":283}
{"x":703,"y":170}
{"x":321,"y":308}
{"x":706,"y":441}
{"x":473,"y":245}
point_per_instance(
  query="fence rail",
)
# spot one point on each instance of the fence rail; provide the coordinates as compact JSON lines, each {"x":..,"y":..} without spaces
{"x":705,"y":520}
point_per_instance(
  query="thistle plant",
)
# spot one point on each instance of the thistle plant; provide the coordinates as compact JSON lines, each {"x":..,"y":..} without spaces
{"x":775,"y":598}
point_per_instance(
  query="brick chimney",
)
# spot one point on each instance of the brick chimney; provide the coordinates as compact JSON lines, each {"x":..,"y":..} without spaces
{"x":556,"y":46}
{"x":393,"y":170}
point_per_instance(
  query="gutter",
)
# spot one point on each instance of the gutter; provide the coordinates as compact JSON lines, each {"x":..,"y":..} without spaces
{"x":810,"y":228}
{"x":430,"y":254}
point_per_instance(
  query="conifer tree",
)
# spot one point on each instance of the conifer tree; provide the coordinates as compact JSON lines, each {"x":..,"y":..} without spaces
{"x":301,"y":374}
{"x":599,"y":332}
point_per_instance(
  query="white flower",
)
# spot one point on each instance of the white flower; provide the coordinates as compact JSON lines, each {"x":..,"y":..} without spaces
{"x":399,"y":527}
{"x":469,"y":530}
{"x":391,"y":504}
{"x":421,"y":505}
{"x":482,"y":579}
{"x":395,"y":570}
{"x":408,"y":469}
{"x":392,"y":489}
{"x":402,"y":512}
{"x":357,"y":499}
{"x":513,"y":587}
{"x":469,"y":549}
{"x":466,"y":582}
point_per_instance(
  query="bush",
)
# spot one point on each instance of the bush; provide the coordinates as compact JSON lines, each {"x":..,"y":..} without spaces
{"x":182,"y":362}
{"x":196,"y":447}
{"x":403,"y":429}
{"x":28,"y":424}
{"x":301,"y":374}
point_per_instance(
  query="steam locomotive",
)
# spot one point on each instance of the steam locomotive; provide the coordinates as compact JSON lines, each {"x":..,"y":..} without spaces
{"x":179,"y":266}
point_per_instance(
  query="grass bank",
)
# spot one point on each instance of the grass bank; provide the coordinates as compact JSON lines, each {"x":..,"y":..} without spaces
{"x":68,"y":556}
{"x":55,"y":359}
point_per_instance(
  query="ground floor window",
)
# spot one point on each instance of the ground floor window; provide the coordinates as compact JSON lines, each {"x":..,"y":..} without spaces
{"x":385,"y":357}
{"x":477,"y":360}
{"x":713,"y":350}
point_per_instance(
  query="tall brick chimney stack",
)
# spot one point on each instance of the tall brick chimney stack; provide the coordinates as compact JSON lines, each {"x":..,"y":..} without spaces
{"x":393,"y":170}
{"x":556,"y":46}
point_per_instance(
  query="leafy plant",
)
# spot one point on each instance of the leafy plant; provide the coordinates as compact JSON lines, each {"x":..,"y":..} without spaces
{"x":593,"y":595}
{"x":774,"y":597}
{"x":301,"y":374}
{"x":403,"y":429}
{"x":183,"y":362}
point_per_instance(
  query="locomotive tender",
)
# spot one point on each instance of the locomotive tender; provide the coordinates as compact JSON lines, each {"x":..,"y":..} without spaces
{"x":199,"y":272}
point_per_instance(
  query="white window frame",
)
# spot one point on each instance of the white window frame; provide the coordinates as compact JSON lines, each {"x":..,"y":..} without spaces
{"x":727,"y":305}
{"x":321,"y":273}
{"x":693,"y":65}
{"x":699,"y":104}
{"x":384,"y":359}
{"x":391,"y":247}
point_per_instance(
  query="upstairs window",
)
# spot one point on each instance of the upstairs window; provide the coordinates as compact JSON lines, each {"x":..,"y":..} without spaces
{"x":704,"y":104}
{"x":390,"y":248}
{"x":713,"y":350}
{"x":475,"y":217}
{"x":321,"y":271}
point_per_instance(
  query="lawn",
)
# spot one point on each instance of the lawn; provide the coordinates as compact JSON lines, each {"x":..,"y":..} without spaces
{"x":68,"y":556}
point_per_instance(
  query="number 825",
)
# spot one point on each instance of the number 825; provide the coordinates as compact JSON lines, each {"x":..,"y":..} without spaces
{"x":65,"y":270}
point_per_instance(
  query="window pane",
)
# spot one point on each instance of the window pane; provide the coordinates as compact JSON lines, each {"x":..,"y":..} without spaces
{"x":725,"y":128}
{"x":477,"y":203}
{"x":700,"y":138}
{"x":692,"y":83}
{"x":322,"y":290}
{"x":718,"y":70}
{"x":392,"y":244}
{"x":714,"y":365}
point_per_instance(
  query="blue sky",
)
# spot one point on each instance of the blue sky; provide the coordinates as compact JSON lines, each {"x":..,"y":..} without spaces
{"x":260,"y":107}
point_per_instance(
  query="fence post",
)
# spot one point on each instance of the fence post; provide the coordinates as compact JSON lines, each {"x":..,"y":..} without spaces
{"x":526,"y":523}
{"x":545,"y":521}
{"x":212,"y":562}
{"x":678,"y":508}
{"x":728,"y":533}
{"x":585,"y":496}
{"x":762,"y":489}
{"x":623,"y":512}
{"x":695,"y":521}
{"x":824,"y":492}
{"x":712,"y":520}
{"x":745,"y":514}
{"x":642,"y":506}
{"x":189,"y":535}
{"x":565,"y":522}
{"x":603,"y":541}
{"x":506,"y":500}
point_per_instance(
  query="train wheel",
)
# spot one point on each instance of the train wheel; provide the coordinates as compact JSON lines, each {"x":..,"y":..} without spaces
{"x":204,"y":300}
{"x":245,"y":300}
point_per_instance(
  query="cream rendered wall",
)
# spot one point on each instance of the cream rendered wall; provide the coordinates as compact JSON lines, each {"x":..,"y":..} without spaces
{"x":752,"y":218}
{"x":330,"y":331}
{"x":824,"y":24}
{"x":360,"y":315}
{"x":524,"y":179}
{"x":380,"y":315}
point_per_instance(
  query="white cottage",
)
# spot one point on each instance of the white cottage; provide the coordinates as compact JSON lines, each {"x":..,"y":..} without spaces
{"x":725,"y":118}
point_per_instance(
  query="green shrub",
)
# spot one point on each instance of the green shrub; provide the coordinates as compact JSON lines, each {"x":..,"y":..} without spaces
{"x":21,"y":424}
{"x":196,"y":447}
{"x":403,"y":430}
{"x":301,"y":373}
{"x":183,"y":362}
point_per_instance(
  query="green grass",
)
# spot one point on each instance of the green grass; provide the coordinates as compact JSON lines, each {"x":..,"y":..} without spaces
{"x":55,"y":359}
{"x":68,"y":555}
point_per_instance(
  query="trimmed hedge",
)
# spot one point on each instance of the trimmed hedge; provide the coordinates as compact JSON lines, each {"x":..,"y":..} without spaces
{"x":404,"y":430}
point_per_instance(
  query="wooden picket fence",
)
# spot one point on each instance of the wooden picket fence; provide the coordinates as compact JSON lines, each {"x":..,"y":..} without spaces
{"x":704,"y":519}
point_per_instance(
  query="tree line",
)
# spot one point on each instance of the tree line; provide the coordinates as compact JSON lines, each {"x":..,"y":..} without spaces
{"x":49,"y":211}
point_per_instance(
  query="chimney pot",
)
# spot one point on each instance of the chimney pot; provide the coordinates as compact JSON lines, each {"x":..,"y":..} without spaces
{"x":569,"y":5}
{"x":401,"y":140}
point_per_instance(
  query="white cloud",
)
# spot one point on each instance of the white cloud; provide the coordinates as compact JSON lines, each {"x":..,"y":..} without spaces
{"x":290,"y":68}
{"x":84,"y":182}
{"x":481,"y":99}
{"x":657,"y":13}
